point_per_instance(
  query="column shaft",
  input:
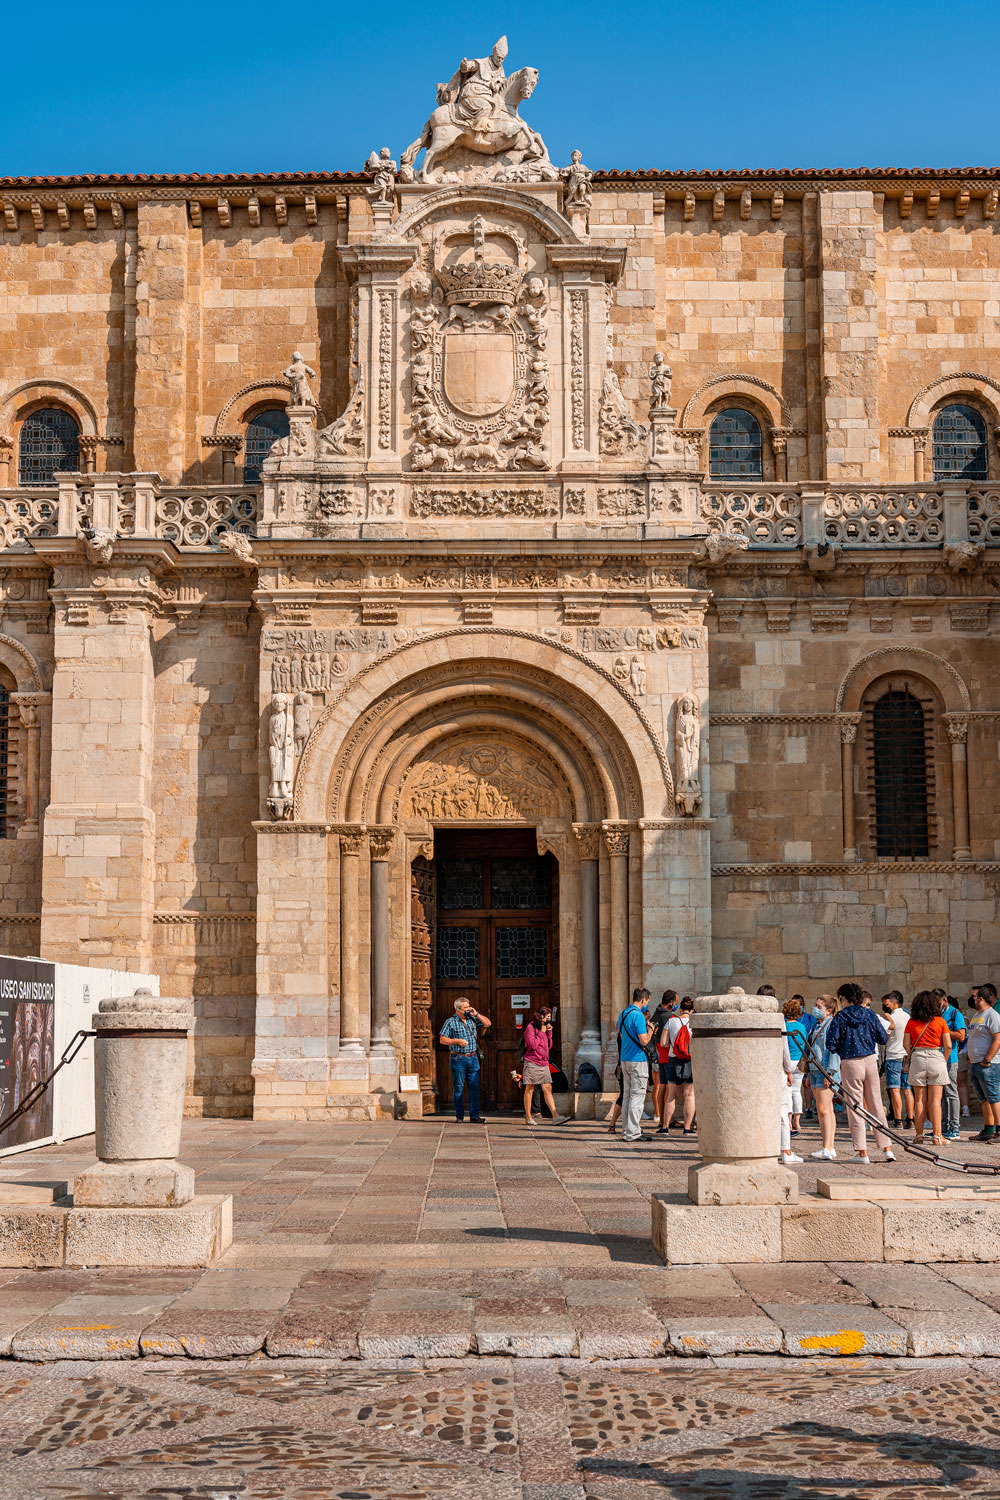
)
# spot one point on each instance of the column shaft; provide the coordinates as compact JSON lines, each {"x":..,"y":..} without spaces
{"x":960,"y":789}
{"x":350,"y":977}
{"x":381,"y":1041}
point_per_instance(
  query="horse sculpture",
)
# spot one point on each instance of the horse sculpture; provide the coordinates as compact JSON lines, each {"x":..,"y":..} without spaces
{"x":506,"y":132}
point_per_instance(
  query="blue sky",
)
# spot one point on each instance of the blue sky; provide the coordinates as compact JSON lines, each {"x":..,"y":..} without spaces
{"x":217,"y":87}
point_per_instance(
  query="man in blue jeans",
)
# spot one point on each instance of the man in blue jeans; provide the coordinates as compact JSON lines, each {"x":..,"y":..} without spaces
{"x":955,"y":1022}
{"x":983,"y":1051}
{"x":460,"y":1033}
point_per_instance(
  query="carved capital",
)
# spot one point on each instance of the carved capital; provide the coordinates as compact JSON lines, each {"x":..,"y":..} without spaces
{"x":849,"y":728}
{"x":957,"y":726}
{"x":920,"y":436}
{"x":616,"y":838}
{"x":381,"y":842}
{"x":352,"y":840}
{"x":230,"y":442}
{"x":588,"y":840}
{"x":28,"y":705}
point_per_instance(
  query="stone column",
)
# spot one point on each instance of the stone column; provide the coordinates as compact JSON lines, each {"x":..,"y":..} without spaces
{"x":350,"y":916}
{"x":28,"y":706}
{"x":848,"y":734}
{"x":588,"y":843}
{"x":381,"y":841}
{"x":616,"y":842}
{"x":958,"y":730}
{"x":736,"y":1043}
{"x":848,"y":307}
{"x":920,"y":436}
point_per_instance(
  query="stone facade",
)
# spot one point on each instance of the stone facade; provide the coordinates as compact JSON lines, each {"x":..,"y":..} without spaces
{"x":487,"y":579}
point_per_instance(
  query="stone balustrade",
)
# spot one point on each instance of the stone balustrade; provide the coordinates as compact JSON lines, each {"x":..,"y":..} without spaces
{"x":772,"y":516}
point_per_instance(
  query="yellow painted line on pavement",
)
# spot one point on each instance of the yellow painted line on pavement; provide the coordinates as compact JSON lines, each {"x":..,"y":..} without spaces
{"x":844,"y":1341}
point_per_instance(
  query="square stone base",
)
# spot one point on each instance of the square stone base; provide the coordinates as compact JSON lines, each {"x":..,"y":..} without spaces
{"x":195,"y":1234}
{"x":130,"y":1184}
{"x":758,"y":1182}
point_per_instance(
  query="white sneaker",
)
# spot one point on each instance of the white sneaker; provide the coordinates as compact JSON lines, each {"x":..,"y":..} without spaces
{"x":965,"y":1111}
{"x":862,"y":1156}
{"x":889,"y":1156}
{"x":824,"y":1155}
{"x":788,"y":1157}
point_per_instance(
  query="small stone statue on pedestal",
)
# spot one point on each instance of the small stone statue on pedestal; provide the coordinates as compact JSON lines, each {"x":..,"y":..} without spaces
{"x":382,"y":169}
{"x":578,"y":180}
{"x":687,"y":746}
{"x":281,"y":752}
{"x":660,"y":377}
{"x":298,"y":373}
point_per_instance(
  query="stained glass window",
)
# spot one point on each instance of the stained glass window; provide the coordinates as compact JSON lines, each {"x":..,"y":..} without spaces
{"x":735,"y":450}
{"x":265,"y":429}
{"x":960,"y":445}
{"x":50,"y":444}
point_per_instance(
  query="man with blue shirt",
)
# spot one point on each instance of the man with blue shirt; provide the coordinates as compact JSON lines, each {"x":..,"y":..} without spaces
{"x":460,"y":1033}
{"x":634,"y":1033}
{"x":950,"y":1106}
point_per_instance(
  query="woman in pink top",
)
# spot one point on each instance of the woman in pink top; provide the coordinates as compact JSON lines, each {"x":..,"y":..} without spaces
{"x":535,"y":1072}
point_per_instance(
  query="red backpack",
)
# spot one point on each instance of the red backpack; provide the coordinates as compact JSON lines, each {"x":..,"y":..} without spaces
{"x":682,"y":1043}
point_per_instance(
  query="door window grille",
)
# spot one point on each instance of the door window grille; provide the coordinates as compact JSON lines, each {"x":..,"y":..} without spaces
{"x":49,"y":444}
{"x":265,"y":429}
{"x":522,"y":884}
{"x":960,"y":444}
{"x":458,"y":953}
{"x":522,"y":953}
{"x":899,"y":746}
{"x":735,"y":448}
{"x":460,"y":884}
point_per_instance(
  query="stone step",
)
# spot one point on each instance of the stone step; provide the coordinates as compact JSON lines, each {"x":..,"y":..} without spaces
{"x":32,"y":1192}
{"x":908,"y":1189}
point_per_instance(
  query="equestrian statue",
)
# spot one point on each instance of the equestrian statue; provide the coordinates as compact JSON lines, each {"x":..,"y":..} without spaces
{"x":477,"y":111}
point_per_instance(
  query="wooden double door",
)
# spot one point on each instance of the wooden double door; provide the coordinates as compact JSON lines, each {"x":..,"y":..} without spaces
{"x":496,"y":943}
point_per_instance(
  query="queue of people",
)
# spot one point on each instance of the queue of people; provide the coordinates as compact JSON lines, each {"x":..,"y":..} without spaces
{"x":931,"y":1054}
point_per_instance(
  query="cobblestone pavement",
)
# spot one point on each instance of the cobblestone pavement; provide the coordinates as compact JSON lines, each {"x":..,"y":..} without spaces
{"x":431,"y":1240}
{"x":501,"y":1429}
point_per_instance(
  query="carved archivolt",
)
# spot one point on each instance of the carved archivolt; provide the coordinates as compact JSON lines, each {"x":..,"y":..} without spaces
{"x":260,"y":390}
{"x":464,"y":200}
{"x":941,"y":673}
{"x":634,"y":760}
{"x":965,"y":383}
{"x":486,"y":779}
{"x":752,"y":387}
{"x":36,"y":392}
{"x":21,"y":664}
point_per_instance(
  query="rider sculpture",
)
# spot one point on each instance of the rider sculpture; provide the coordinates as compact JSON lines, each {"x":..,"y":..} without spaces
{"x":477,"y":111}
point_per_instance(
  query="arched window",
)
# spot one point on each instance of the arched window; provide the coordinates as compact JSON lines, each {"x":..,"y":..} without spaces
{"x":264,"y":430}
{"x":900,"y":774}
{"x":50,"y":443}
{"x":960,"y":446}
{"x":735,"y":450}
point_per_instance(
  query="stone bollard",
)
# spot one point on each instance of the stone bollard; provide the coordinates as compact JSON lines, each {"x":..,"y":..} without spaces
{"x":736,"y":1046}
{"x":140,"y":1064}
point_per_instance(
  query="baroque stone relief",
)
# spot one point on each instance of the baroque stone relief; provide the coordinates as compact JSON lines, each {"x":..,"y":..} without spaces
{"x":479,"y":379}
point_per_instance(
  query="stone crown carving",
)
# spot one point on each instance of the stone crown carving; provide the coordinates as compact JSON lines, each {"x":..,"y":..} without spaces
{"x":479,"y":280}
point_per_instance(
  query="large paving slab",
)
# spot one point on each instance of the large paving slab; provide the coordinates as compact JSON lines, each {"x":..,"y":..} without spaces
{"x":426,"y":1240}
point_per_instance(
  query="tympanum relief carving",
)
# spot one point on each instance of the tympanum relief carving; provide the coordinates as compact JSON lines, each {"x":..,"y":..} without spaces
{"x":484,"y":781}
